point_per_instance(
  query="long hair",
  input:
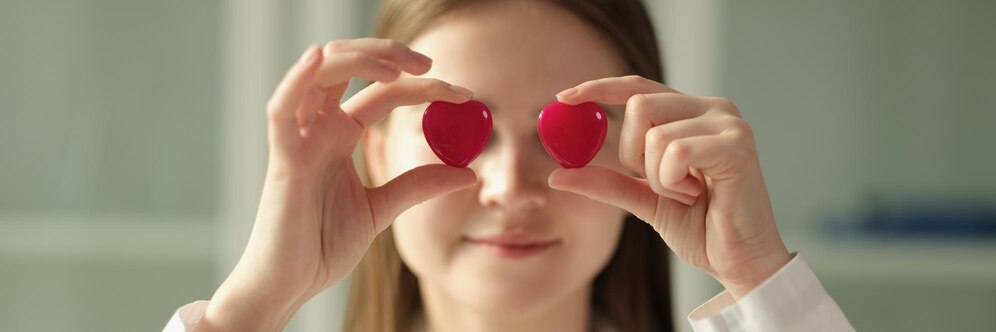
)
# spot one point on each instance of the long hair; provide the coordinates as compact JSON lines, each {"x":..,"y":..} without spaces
{"x":632,"y":293}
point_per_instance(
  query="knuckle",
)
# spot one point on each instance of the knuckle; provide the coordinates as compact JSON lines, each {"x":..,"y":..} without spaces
{"x":677,"y":150}
{"x":725,"y":105}
{"x":379,"y":86}
{"x":638,"y":102}
{"x":430,"y":86}
{"x":358,"y":59}
{"x":272,"y":109}
{"x":635,"y":79}
{"x":334,"y":46}
{"x":415,"y":182}
{"x":741,"y":129}
{"x":735,"y":123}
{"x":382,"y":91}
{"x":435,"y":83}
{"x":393,"y":46}
{"x":588,"y":85}
{"x":658,"y":135}
{"x":719,"y":101}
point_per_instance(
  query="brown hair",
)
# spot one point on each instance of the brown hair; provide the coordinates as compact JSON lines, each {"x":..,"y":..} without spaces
{"x":632,"y":293}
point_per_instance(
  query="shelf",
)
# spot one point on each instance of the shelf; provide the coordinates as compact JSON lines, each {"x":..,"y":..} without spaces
{"x":885,"y":258}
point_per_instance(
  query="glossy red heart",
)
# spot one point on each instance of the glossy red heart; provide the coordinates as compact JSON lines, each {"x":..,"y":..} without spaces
{"x":572,"y":134}
{"x":457,"y":133}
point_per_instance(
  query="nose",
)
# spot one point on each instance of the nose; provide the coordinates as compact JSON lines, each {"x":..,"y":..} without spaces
{"x":514,"y":179}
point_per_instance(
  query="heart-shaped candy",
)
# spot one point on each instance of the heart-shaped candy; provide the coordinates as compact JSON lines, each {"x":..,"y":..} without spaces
{"x":457,"y":133}
{"x":572,"y":134}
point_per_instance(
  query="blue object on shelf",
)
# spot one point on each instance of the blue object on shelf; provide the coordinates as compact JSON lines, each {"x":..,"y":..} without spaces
{"x":930,"y":219}
{"x":920,"y":219}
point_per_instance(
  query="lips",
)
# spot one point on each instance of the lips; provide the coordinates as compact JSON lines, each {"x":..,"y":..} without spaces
{"x":514,"y":245}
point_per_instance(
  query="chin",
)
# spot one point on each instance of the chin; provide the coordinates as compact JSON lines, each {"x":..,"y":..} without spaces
{"x":509,"y":297}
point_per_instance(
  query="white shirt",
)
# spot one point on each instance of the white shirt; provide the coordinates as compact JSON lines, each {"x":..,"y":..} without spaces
{"x":792,"y":299}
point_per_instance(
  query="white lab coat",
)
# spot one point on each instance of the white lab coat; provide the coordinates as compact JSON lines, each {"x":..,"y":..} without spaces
{"x":792,"y":299}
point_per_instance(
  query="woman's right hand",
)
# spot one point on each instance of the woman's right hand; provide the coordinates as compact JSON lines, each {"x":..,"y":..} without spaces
{"x":316,"y":219}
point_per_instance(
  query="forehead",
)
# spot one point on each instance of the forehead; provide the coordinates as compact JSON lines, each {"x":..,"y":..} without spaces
{"x":516,"y":54}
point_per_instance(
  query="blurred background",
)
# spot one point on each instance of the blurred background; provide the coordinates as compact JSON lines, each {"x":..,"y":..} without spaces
{"x":132,"y":148}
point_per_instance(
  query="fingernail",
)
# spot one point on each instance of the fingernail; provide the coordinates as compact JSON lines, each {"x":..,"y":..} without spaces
{"x":308,"y":57}
{"x":567,"y":93}
{"x":422,"y":58}
{"x":462,"y":91}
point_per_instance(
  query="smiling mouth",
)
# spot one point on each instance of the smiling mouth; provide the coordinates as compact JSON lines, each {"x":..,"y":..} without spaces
{"x":514,"y":245}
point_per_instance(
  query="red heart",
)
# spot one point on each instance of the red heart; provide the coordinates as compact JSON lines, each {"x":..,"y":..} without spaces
{"x":572,"y":134}
{"x":457,"y":133}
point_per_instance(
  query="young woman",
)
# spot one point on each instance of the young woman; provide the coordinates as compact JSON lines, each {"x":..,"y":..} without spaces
{"x":513,"y":242}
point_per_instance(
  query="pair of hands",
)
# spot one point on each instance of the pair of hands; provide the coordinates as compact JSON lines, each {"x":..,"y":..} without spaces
{"x":701,"y":186}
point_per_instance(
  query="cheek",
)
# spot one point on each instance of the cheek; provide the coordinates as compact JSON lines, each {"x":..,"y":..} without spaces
{"x":595,"y":226}
{"x":593,"y":231}
{"x":426,"y":237}
{"x":429,"y":235}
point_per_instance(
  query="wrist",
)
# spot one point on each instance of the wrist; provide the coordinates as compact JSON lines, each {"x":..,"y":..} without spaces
{"x":231,"y":310}
{"x":228,"y":315}
{"x":755,"y":273}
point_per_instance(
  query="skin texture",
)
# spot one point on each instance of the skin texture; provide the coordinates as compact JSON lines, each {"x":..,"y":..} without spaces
{"x":686,"y":165}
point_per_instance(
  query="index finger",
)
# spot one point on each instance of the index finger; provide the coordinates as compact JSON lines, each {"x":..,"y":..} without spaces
{"x":373,"y":104}
{"x":612,"y":91}
{"x":384,"y":49}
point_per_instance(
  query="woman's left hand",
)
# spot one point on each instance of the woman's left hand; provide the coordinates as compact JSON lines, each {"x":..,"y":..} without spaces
{"x":701,"y":185}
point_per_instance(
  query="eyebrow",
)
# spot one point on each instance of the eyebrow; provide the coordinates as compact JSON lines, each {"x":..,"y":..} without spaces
{"x":612,"y":112}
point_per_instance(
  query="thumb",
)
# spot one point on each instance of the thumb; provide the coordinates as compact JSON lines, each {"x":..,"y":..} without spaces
{"x":610,"y":187}
{"x":413,"y":187}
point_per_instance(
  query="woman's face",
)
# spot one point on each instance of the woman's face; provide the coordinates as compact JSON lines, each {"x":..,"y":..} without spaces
{"x":510,"y":242}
